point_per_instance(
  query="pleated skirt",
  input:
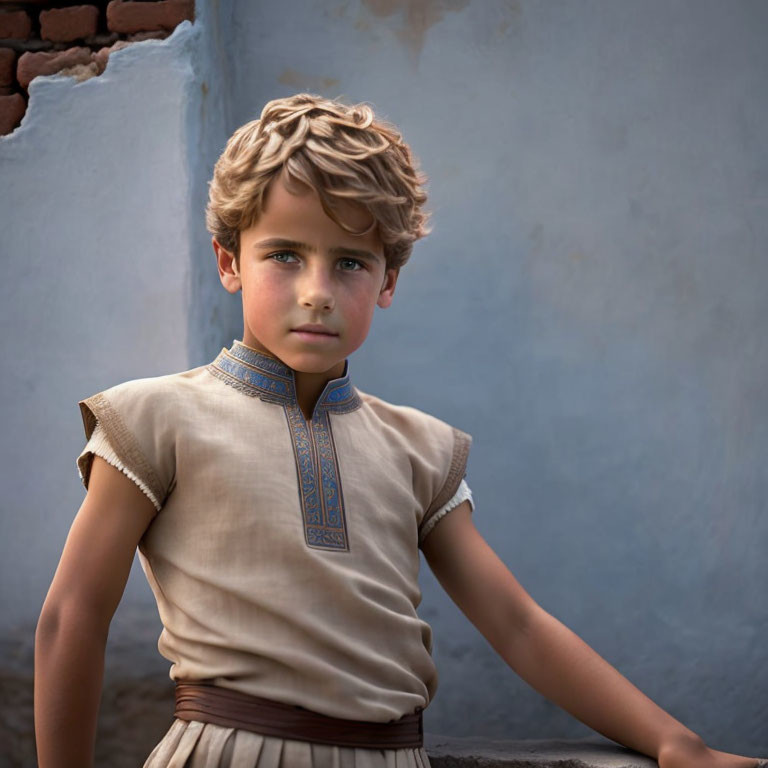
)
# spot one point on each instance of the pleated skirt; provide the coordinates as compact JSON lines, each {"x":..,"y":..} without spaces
{"x":191,"y":744}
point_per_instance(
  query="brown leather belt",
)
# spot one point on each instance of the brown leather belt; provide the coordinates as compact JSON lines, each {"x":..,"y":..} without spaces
{"x":210,"y":703}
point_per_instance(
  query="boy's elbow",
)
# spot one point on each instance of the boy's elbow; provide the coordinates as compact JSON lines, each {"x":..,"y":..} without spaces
{"x":47,"y":624}
{"x":522,"y":627}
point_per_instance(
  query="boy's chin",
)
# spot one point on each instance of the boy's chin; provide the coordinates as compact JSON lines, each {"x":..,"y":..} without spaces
{"x":312,"y":364}
{"x":318,"y":368}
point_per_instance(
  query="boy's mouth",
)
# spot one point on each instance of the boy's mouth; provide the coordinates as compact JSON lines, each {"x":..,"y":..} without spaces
{"x":316,"y":330}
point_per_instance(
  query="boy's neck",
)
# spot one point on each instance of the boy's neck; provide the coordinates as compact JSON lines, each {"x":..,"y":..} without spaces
{"x":309,"y":387}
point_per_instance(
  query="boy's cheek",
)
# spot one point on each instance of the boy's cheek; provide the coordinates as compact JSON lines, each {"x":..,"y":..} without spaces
{"x":358,"y":326}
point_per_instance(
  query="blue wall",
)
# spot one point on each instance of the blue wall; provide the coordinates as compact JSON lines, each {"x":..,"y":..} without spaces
{"x":95,"y":241}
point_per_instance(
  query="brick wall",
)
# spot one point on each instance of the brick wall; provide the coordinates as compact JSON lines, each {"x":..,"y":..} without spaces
{"x":43,"y":38}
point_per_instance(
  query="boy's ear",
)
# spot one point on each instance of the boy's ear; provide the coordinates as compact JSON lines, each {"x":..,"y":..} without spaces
{"x":388,"y":289}
{"x":229,"y":274}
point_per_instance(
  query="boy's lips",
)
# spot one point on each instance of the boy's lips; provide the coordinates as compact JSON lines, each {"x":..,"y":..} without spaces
{"x":315,"y":330}
{"x":314,"y":333}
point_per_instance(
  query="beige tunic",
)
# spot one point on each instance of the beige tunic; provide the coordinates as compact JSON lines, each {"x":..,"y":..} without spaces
{"x":284,"y":555}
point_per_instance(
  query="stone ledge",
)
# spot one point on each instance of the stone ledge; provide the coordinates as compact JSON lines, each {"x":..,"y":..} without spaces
{"x":452,"y":752}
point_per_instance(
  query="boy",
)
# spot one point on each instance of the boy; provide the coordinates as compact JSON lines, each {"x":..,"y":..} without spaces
{"x":278,"y":511}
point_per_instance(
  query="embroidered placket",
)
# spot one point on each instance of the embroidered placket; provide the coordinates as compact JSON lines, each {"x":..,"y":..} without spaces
{"x":317,"y":468}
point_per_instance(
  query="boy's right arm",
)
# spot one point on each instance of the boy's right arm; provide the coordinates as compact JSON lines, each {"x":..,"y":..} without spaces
{"x":71,"y":633}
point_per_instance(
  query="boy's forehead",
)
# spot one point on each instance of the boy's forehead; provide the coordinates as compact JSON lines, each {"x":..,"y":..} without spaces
{"x":293,"y":210}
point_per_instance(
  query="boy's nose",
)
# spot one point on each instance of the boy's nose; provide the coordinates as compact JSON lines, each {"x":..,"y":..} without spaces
{"x":315,"y":291}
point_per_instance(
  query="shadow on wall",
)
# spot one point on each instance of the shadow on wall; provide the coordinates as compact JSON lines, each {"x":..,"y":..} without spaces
{"x":35,"y":41}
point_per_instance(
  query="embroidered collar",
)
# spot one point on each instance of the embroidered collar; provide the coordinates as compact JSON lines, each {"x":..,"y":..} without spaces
{"x":319,"y":488}
{"x":260,"y":375}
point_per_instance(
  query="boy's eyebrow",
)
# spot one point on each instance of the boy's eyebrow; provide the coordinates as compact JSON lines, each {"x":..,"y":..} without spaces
{"x":342,"y":251}
{"x":295,"y":245}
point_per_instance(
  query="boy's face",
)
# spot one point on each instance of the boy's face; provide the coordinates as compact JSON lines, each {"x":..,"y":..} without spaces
{"x":297,"y":268}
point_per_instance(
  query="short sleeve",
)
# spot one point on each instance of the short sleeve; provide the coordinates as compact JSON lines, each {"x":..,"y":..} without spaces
{"x":136,"y":431}
{"x":464,"y":493}
{"x":454,"y":476}
{"x":99,"y":445}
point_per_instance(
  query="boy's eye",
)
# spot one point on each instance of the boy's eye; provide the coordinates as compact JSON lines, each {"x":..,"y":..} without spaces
{"x":282,"y":256}
{"x":288,"y":257}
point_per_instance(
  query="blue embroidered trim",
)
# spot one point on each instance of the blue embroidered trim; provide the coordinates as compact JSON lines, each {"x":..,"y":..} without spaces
{"x":258,"y":360}
{"x":319,"y":482}
{"x":262,"y":382}
{"x":317,"y":468}
{"x":259,"y":375}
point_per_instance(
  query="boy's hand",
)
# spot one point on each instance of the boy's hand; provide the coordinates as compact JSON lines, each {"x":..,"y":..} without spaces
{"x":699,"y":755}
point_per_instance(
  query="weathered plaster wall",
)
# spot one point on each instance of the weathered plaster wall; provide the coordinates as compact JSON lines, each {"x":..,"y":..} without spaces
{"x":95,"y":290}
{"x":591,"y":306}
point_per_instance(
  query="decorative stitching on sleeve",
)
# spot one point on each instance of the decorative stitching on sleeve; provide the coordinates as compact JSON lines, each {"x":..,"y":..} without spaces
{"x":124,"y":444}
{"x":99,"y":445}
{"x":464,"y":493}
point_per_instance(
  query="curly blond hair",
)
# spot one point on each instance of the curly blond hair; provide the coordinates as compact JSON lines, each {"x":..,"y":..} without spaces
{"x":343,"y":152}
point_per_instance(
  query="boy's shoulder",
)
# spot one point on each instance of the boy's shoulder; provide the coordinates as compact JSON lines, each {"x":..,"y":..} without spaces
{"x":169,"y":385}
{"x":145,"y":397}
{"x":180,"y":381}
{"x":391,"y":410}
{"x":411,"y":421}
{"x":437,"y":451}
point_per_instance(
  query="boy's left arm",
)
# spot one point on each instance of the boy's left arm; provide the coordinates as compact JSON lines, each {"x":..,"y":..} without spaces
{"x":551,"y":658}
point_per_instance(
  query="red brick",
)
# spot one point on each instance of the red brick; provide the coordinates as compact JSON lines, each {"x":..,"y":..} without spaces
{"x":15,"y":25}
{"x":129,"y":17}
{"x":7,"y":66}
{"x":33,"y":64}
{"x":63,"y":25}
{"x":12,"y":109}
